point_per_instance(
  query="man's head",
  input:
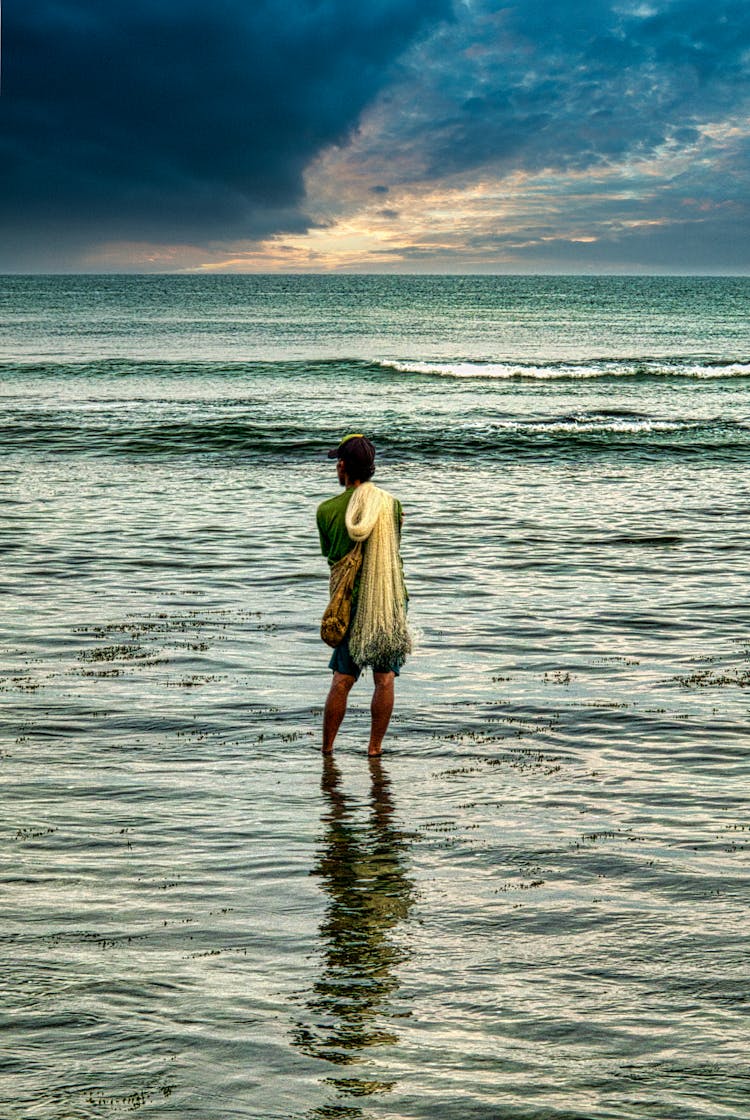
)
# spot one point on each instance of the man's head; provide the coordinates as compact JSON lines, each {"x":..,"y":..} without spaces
{"x":355,"y":458}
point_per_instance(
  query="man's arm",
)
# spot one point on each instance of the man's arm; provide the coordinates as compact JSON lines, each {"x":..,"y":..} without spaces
{"x":325,"y":540}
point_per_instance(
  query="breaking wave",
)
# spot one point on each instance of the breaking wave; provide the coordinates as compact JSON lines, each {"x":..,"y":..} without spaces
{"x":120,"y":433}
{"x":572,"y":371}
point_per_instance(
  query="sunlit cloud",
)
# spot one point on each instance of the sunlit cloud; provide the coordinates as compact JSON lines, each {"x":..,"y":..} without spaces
{"x":491,"y":223}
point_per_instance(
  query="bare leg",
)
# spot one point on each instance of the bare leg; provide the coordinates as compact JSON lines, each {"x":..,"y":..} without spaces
{"x":335,"y":708}
{"x":380,"y":710}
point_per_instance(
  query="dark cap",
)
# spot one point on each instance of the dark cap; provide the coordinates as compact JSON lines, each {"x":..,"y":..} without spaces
{"x":354,"y":446}
{"x":358,"y":454}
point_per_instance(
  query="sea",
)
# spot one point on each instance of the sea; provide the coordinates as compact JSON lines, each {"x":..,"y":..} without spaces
{"x":535,"y":905}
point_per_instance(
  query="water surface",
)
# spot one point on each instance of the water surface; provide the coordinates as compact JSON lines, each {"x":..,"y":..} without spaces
{"x":535,"y":907}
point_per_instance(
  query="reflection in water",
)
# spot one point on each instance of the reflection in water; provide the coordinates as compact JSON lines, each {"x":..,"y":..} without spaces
{"x":362,"y":864}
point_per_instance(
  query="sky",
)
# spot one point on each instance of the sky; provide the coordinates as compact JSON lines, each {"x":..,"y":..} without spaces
{"x":433,"y":136}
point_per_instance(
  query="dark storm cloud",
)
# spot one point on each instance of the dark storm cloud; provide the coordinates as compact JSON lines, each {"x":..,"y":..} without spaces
{"x":181,"y":121}
{"x":568,"y":85}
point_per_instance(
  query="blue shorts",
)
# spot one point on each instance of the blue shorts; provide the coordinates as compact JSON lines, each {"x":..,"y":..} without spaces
{"x":342,"y":662}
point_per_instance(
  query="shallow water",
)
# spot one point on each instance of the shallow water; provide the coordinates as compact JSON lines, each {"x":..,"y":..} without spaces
{"x":536,"y":905}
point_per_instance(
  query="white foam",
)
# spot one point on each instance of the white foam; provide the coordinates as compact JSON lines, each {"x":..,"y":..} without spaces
{"x":593,"y":424}
{"x":506,"y":371}
{"x":735,"y":369}
{"x":496,"y":370}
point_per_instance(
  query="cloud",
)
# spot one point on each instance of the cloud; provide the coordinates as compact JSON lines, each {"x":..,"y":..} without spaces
{"x":683,"y":207}
{"x":544,"y":102}
{"x":386,"y":133}
{"x":182,"y":122}
{"x":576,"y":83}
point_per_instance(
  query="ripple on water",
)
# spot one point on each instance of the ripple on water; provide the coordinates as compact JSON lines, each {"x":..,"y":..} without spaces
{"x":533,"y":907}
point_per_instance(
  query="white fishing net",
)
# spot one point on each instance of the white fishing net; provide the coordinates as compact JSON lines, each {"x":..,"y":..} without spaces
{"x":379,"y":634}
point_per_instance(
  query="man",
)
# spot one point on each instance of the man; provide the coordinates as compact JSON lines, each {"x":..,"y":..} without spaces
{"x":378,"y":636}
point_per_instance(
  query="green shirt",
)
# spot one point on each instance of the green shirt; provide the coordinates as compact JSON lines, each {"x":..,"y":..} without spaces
{"x":335,"y":542}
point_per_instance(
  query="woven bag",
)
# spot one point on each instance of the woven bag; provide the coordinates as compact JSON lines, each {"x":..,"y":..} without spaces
{"x":338,"y":613}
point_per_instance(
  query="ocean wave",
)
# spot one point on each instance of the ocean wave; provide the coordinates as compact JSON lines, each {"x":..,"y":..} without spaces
{"x":593,"y":433}
{"x":571,"y":371}
{"x":199,"y":372}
